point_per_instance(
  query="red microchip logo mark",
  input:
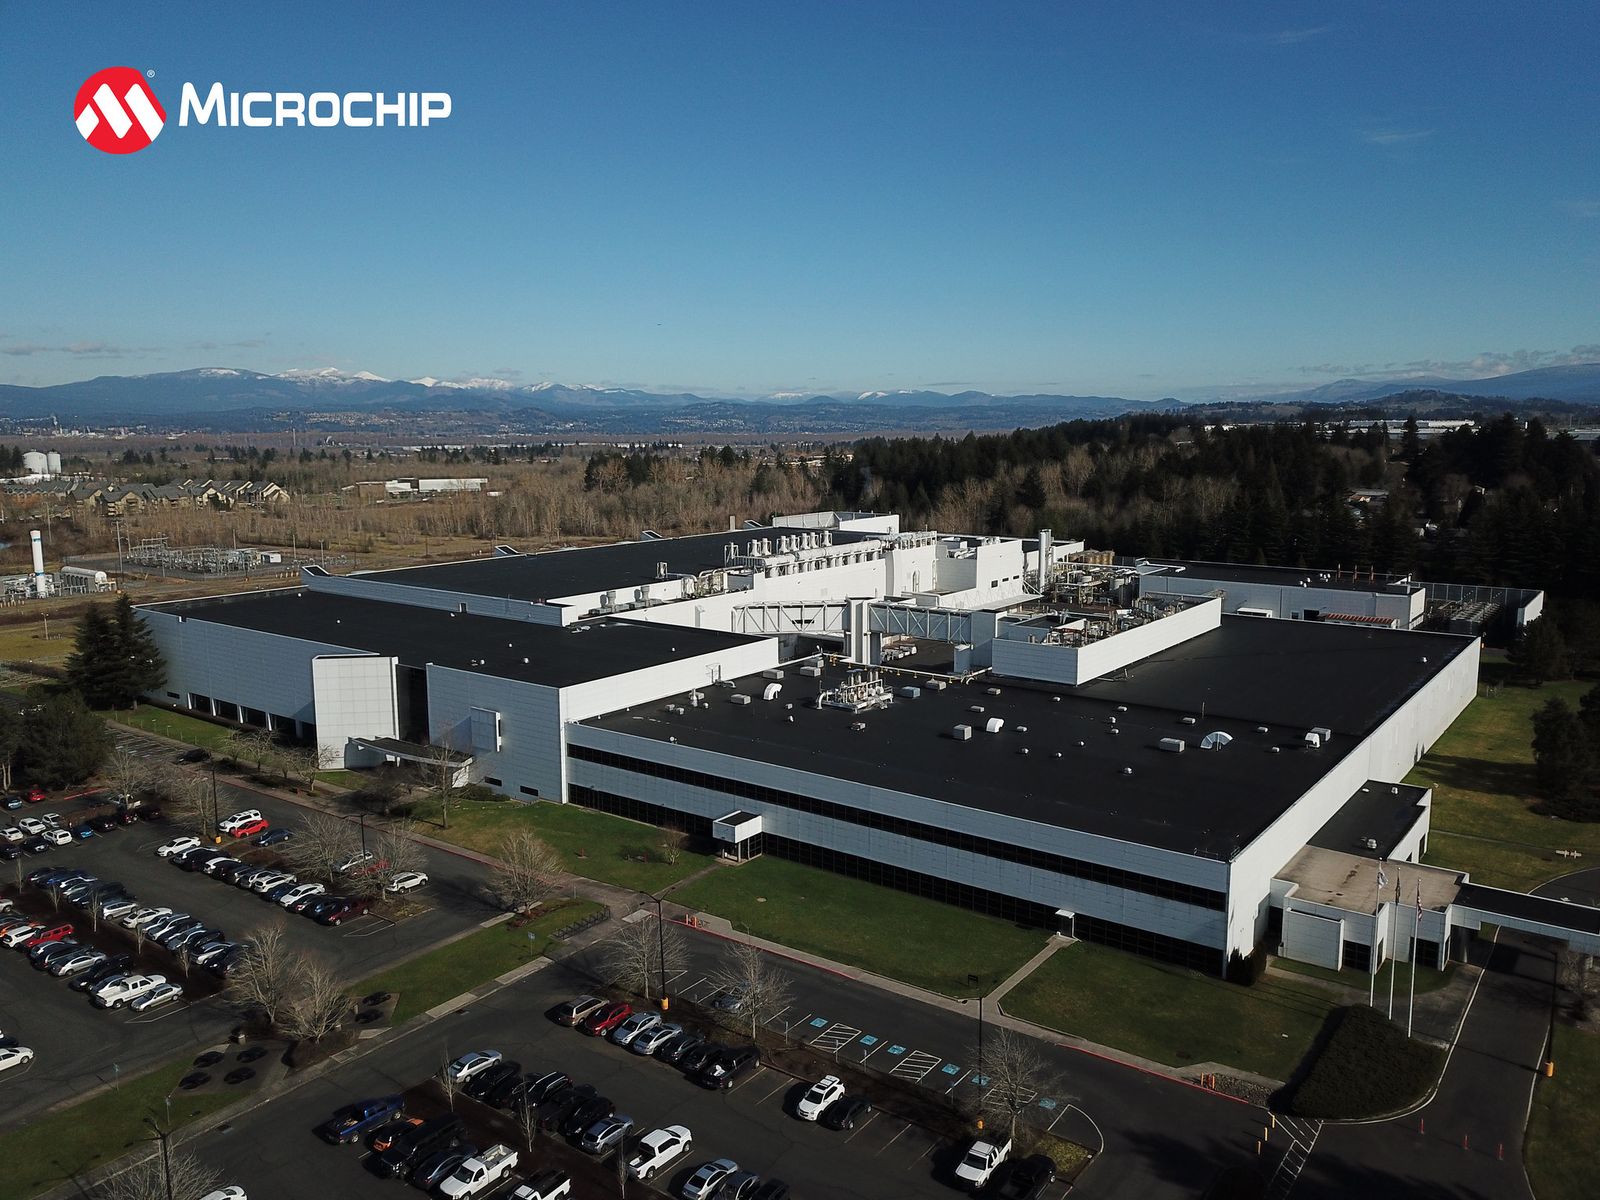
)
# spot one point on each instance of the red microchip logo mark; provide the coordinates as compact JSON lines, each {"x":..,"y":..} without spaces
{"x":116,"y":111}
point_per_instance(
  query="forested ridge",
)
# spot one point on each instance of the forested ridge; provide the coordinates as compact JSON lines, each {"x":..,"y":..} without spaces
{"x":1505,"y":503}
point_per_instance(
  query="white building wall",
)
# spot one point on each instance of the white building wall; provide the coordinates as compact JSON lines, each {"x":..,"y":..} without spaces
{"x":827,"y":585}
{"x":1073,"y":665}
{"x":1388,"y":753}
{"x":1313,"y":938}
{"x":1284,"y":601}
{"x":266,"y":671}
{"x":354,"y":697}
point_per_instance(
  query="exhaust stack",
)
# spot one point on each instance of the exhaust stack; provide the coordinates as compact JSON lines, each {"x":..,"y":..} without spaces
{"x":41,"y":582}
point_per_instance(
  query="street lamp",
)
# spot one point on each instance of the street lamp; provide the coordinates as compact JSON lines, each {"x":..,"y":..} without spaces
{"x":981,"y":1080}
{"x":161,"y":1136}
{"x":661,"y":952}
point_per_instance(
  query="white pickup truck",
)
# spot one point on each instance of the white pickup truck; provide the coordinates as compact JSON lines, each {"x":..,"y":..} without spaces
{"x":478,"y":1175}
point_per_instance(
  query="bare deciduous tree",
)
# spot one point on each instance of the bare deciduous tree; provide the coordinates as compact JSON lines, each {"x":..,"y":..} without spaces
{"x":128,"y":773}
{"x":189,"y":801}
{"x":754,"y":978}
{"x":1581,"y":978}
{"x":399,"y":851}
{"x":148,"y":1178}
{"x":322,"y":841}
{"x":250,"y":745}
{"x":447,"y":1081}
{"x":1017,"y":1075}
{"x":673,"y":843}
{"x":529,"y":873}
{"x":265,"y":977}
{"x":443,"y":765}
{"x":643,"y":952}
{"x":320,"y":1003}
{"x":299,"y":763}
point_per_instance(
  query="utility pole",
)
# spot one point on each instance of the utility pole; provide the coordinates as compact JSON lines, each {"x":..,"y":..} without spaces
{"x":166,"y":1160}
{"x":982,"y":1080}
{"x":661,"y":953}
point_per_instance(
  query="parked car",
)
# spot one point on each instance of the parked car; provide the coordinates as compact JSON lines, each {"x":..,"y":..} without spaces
{"x":12,"y":801}
{"x":553,"y":1113}
{"x":43,"y":954}
{"x":605,"y":1133}
{"x":595,"y":1108}
{"x":729,"y":999}
{"x":675,"y":1049}
{"x":341,"y":909}
{"x":249,"y":828}
{"x":230,"y":823}
{"x":232,"y":1192}
{"x":606,"y":1018}
{"x":273,"y":837}
{"x":12,"y":833}
{"x":1026,"y":1178}
{"x":354,"y":1121}
{"x":86,"y":958}
{"x":474,"y":1062}
{"x":981,"y":1160}
{"x":156,"y":997}
{"x":14,"y":1056}
{"x":406,"y":881}
{"x":356,"y":858}
{"x":196,"y":755}
{"x":124,"y":989}
{"x":415,"y":1142}
{"x":847,"y":1112}
{"x":51,"y":933}
{"x":35,"y":795}
{"x":650,"y":1040}
{"x":32,"y":826}
{"x":703,"y":1184}
{"x":542,"y":1087}
{"x":658,"y":1150}
{"x":741,"y":1185}
{"x":818,"y":1097}
{"x":695,"y":1059}
{"x":117,"y":964}
{"x":299,"y":893}
{"x":632,"y":1026}
{"x":479,"y":1174}
{"x":104,"y":823}
{"x":484,"y":1082}
{"x":772,"y":1189}
{"x":267,"y":880}
{"x":726,"y":1069}
{"x":119,"y":906}
{"x":35,"y":845}
{"x":437,"y":1167}
{"x":549,"y":1184}
{"x":573,"y":1011}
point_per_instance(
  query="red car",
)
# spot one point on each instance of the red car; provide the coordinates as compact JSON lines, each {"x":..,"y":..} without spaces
{"x":53,"y":934}
{"x":250,"y":830}
{"x":604,"y":1020}
{"x":343,"y":911}
{"x":36,"y":795}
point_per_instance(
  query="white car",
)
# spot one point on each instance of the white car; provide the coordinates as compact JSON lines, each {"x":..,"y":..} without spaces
{"x":980,"y":1161}
{"x":240,"y":819}
{"x":125,"y":990}
{"x":177,"y":846}
{"x":14,"y":1056}
{"x":548,"y":1184}
{"x":232,"y":1192}
{"x":264,"y":883}
{"x":704,"y":1183}
{"x":296,"y":894}
{"x":77,"y":962}
{"x":113,"y":909}
{"x":15,"y":937}
{"x":821,"y":1094}
{"x":654,"y":1038}
{"x":32,"y":826}
{"x":167,"y":920}
{"x":356,"y":858}
{"x":406,"y":881}
{"x":57,"y":837}
{"x":141,"y":917}
{"x":632,"y":1026}
{"x":658,"y":1149}
{"x":474,"y":1062}
{"x":156,"y":997}
{"x":12,"y":834}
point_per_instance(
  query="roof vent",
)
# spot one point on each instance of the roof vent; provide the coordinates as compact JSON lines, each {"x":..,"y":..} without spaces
{"x":910,"y":693}
{"x":1215,"y":740}
{"x":1323,"y":732}
{"x":1111,"y":720}
{"x":811,"y":670}
{"x":1127,"y":770}
{"x":1077,"y":744}
{"x":773,"y":673}
{"x":1187,"y":721}
{"x":1024,"y":750}
{"x":938,"y":685}
{"x":1261,"y":729}
{"x":1058,"y":754}
{"x":1274,"y":749}
{"x":741,"y":698}
{"x":1055,"y":699}
{"x":1172,"y":745}
{"x":994,"y":725}
{"x":858,"y":726}
{"x":1370,"y":843}
{"x":996,"y":691}
{"x":1022,"y":729}
{"x":1122,"y":708}
{"x":1394,"y":791}
{"x":1114,"y":732}
{"x":1423,"y":660}
{"x":1313,"y":740}
{"x":962,"y":733}
{"x":770,"y":692}
{"x":673,"y":740}
{"x":977,"y":708}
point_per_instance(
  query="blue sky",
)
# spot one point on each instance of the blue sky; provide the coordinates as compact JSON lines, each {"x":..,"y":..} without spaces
{"x":1125,"y":198}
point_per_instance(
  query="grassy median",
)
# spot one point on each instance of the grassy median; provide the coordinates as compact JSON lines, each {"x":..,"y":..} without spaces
{"x":909,"y":938}
{"x":463,"y":964}
{"x":71,"y":1143}
{"x":1172,"y":1015}
{"x":1561,"y":1127}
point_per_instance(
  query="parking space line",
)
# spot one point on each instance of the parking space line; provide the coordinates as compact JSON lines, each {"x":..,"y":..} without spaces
{"x":871,"y":1117}
{"x":957,"y":1082}
{"x":756,"y":1074}
{"x":835,"y":1037}
{"x":781,"y":1084}
{"x":915,"y":1065}
{"x":868,"y":1040}
{"x":894,"y":1139}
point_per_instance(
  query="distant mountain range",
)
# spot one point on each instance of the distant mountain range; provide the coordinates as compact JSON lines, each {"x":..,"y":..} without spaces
{"x":226,"y":398}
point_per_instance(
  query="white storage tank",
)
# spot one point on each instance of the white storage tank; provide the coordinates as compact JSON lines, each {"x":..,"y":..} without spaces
{"x":97,"y":578}
{"x":52,"y":461}
{"x":35,"y":463}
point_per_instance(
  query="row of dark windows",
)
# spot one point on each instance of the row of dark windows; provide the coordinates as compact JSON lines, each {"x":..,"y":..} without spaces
{"x":996,"y":904}
{"x":1026,"y":856}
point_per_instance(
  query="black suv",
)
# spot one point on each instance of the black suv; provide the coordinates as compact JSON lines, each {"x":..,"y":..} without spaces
{"x":416,"y":1142}
{"x":727,"y":1068}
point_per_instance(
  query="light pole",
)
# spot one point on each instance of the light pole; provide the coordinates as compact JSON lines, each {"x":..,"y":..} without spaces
{"x":661,"y":952}
{"x":166,"y":1161}
{"x":981,"y":1081}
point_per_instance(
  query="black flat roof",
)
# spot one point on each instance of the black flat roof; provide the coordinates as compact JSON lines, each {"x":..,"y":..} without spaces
{"x":1562,"y":914}
{"x":1384,"y":812}
{"x":557,"y":573}
{"x":1249,"y":673}
{"x":1345,"y":581}
{"x":555,"y":656}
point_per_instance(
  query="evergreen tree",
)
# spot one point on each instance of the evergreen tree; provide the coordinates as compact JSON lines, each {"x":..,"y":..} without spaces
{"x":1540,"y":652}
{"x":1030,"y":492}
{"x":1564,"y":762}
{"x":61,"y":742}
{"x":92,"y":656}
{"x":144,"y":669}
{"x":116,"y":659}
{"x":1410,"y":442}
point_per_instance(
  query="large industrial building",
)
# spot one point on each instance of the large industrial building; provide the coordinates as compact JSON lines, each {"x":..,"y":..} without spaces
{"x":1019,"y":725}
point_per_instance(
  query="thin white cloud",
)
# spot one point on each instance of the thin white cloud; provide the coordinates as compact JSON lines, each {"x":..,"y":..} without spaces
{"x":1587,"y":209}
{"x":1393,"y":137}
{"x":1487,"y":365}
{"x":1294,"y":37}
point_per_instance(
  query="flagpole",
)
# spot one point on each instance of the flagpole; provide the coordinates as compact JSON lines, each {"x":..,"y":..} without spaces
{"x":1375,"y":958}
{"x":1416,"y":931}
{"x":1391,"y":969}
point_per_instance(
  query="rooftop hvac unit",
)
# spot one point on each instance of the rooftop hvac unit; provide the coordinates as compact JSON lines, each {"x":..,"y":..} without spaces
{"x":811,"y":671}
{"x":938,"y":685}
{"x":994,"y":725}
{"x":1187,"y":721}
{"x":977,"y":708}
{"x":1313,"y":740}
{"x":994,"y":691}
{"x":911,"y":693}
{"x":962,"y":733}
{"x":772,"y":673}
{"x":770,"y":692}
{"x":1215,"y":741}
{"x":741,"y":698}
{"x":1370,"y":843}
{"x":1172,"y":745}
{"x":1322,"y":732}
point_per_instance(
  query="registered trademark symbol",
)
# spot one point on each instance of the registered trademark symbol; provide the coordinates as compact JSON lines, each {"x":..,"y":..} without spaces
{"x":149,"y":74}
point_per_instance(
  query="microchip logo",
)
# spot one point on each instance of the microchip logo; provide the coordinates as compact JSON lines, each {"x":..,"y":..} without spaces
{"x":116,"y":111}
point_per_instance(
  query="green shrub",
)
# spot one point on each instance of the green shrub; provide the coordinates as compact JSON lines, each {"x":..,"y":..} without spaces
{"x":1365,"y":1067}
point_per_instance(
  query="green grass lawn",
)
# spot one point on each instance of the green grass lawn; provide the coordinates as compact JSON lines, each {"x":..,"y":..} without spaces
{"x":1428,"y":980}
{"x":56,"y":1148}
{"x":1481,"y":772}
{"x":442,"y":974}
{"x":1560,"y":1146}
{"x":916,"y":940}
{"x":593,"y":844}
{"x":179,"y":726}
{"x":1170,"y":1014}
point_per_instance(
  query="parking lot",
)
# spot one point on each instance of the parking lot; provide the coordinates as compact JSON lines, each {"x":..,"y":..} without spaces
{"x":79,"y":1046}
{"x":273,"y":1153}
